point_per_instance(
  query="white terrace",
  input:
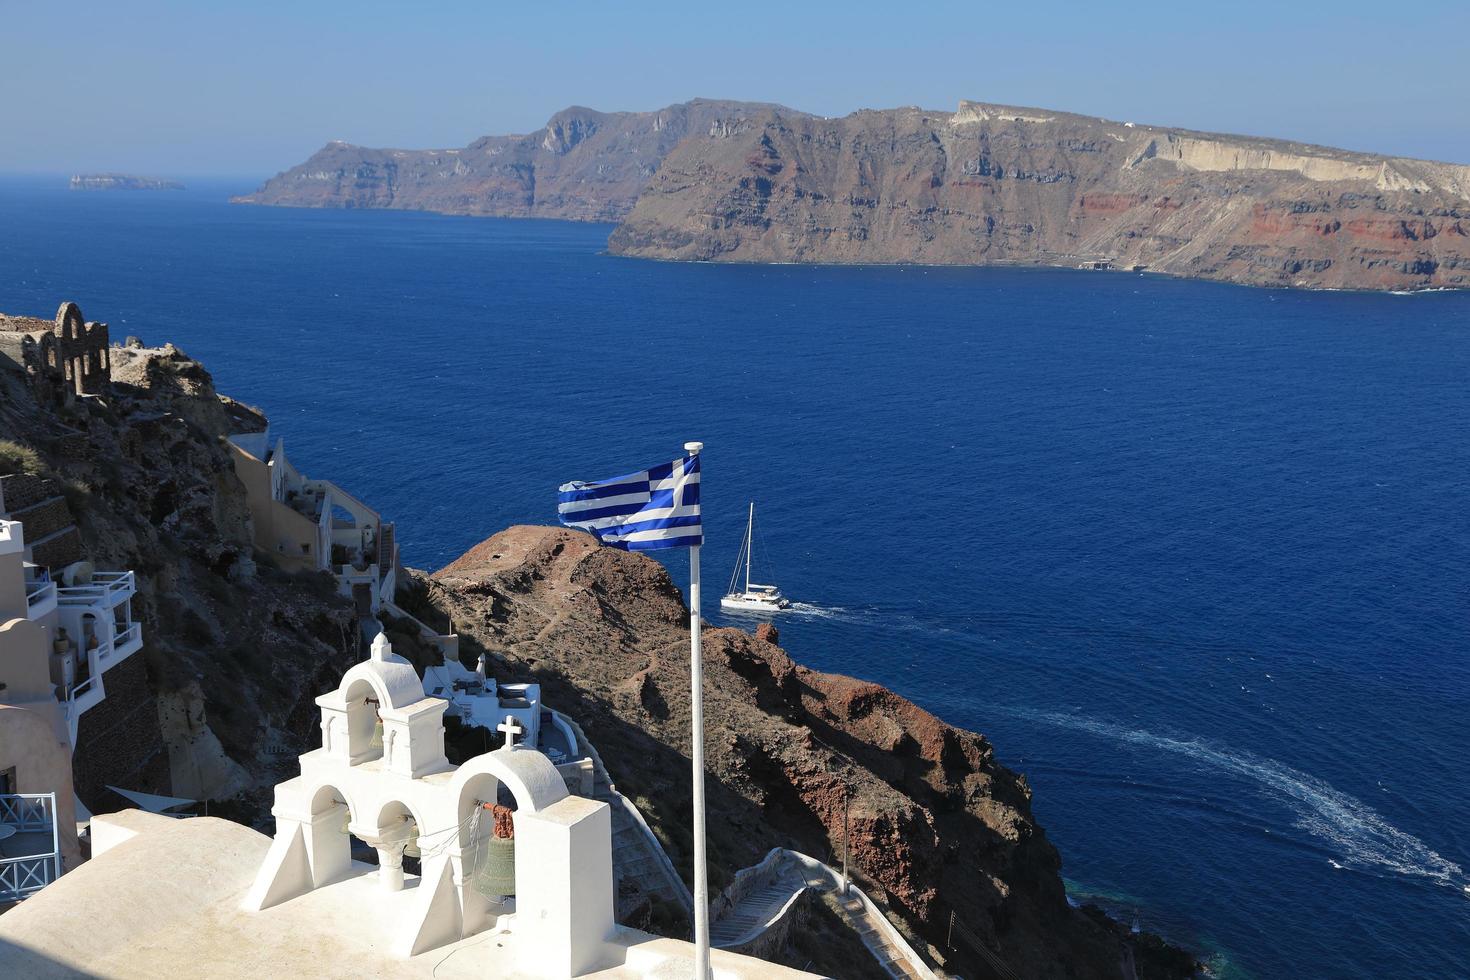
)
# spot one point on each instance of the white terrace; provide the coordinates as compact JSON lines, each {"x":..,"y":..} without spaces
{"x":87,"y":614}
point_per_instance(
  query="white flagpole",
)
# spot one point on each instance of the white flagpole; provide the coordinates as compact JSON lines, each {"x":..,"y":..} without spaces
{"x":696,"y":682}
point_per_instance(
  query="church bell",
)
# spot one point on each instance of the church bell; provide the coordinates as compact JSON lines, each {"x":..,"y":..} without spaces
{"x":496,"y":875}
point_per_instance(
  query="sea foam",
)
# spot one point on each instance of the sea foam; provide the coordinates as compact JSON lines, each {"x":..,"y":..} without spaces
{"x":1362,"y":836}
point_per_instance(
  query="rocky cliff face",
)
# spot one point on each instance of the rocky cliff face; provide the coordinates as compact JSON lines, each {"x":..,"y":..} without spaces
{"x":1000,"y":184}
{"x":938,"y":826}
{"x":986,"y":184}
{"x":584,"y":166}
{"x":234,"y":651}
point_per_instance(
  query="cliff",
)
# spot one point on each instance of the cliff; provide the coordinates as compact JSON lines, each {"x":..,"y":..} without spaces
{"x":1003,"y":185}
{"x":233,"y":651}
{"x":938,"y":826}
{"x":583,"y":166}
{"x":986,"y":184}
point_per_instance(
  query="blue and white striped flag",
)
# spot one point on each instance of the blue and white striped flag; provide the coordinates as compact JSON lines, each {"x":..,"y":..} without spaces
{"x":646,"y":511}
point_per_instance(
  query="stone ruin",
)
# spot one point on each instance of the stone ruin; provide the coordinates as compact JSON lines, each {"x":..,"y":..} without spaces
{"x":61,"y":359}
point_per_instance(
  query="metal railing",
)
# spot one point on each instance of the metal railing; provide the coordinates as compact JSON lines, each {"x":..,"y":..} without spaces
{"x":958,"y":930}
{"x":27,"y":874}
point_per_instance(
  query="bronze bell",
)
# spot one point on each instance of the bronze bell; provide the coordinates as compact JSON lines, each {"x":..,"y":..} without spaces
{"x":496,"y":875}
{"x":377,"y":742}
{"x":412,"y":849}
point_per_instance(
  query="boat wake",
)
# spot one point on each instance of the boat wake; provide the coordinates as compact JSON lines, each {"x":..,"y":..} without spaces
{"x":1364,"y":838}
{"x":825,"y":612}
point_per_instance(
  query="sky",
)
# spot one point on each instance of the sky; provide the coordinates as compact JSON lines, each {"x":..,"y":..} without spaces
{"x":249,"y":89}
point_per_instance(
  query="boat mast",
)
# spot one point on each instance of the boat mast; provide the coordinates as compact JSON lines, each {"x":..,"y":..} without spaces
{"x":749,"y":541}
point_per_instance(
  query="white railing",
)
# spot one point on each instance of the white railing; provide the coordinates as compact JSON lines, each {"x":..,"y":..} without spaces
{"x":132,"y":632}
{"x":676,"y":883}
{"x":75,"y":692}
{"x":106,"y":588}
{"x":24,"y":875}
{"x":37,"y":593}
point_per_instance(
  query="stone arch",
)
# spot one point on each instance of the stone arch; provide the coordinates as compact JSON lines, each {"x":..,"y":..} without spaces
{"x":69,"y":321}
{"x":50,"y":354}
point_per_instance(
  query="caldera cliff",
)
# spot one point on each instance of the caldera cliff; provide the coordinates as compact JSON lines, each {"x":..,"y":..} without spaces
{"x":994,"y":184}
{"x":584,"y":165}
{"x":986,"y":184}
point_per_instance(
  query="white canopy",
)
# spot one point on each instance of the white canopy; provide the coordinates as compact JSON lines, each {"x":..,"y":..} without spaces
{"x":151,"y":802}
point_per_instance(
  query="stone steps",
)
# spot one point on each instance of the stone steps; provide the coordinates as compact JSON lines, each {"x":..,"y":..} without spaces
{"x":634,"y":858}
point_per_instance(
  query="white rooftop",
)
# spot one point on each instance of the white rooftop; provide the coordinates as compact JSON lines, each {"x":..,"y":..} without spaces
{"x":166,"y":901}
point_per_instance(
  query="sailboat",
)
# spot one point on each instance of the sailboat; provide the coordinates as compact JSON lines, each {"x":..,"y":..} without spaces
{"x":754,"y":598}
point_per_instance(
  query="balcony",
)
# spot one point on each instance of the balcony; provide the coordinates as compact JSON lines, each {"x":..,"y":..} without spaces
{"x":30,"y":849}
{"x":106,"y":589}
{"x":128,"y":640}
{"x":40,"y":599}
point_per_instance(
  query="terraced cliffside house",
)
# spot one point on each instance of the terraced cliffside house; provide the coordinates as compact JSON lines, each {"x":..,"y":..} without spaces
{"x":315,"y":524}
{"x":86,"y":615}
{"x":514,"y":873}
{"x":38,"y":834}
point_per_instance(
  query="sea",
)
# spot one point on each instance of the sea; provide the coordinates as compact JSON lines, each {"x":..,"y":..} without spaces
{"x":1194,"y":556}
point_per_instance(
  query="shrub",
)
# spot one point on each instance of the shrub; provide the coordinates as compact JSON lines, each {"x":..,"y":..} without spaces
{"x":15,"y":458}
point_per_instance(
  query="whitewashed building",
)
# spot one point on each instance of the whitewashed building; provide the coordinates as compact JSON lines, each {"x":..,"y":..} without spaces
{"x":306,"y":523}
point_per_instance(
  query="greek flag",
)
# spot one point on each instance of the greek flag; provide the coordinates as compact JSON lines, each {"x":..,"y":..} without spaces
{"x":646,"y":511}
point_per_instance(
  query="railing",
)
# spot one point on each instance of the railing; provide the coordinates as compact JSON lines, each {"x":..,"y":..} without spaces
{"x":75,"y":692}
{"x":27,"y":812}
{"x":126,"y":636}
{"x":958,"y":930}
{"x":676,"y":883}
{"x":24,"y":875}
{"x":107,"y":588}
{"x":38,"y":592}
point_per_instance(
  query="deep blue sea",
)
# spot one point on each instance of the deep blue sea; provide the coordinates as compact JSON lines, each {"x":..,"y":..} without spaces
{"x":1196,"y":557}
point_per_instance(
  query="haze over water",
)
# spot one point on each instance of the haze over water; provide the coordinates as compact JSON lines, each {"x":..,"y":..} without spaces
{"x":1193,"y":556}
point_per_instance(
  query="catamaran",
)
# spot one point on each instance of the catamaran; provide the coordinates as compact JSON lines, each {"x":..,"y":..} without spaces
{"x":754,"y":598}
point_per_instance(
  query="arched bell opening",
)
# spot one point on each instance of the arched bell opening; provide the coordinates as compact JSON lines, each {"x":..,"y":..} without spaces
{"x":402,"y":840}
{"x":364,"y":726}
{"x":331,"y":840}
{"x":487,"y":809}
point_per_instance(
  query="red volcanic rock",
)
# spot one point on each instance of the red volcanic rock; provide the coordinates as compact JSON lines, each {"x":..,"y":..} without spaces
{"x":767,"y":633}
{"x":1000,"y":184}
{"x":936,"y":824}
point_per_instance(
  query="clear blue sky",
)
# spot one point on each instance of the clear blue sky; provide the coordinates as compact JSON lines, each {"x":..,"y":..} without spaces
{"x":252,"y":88}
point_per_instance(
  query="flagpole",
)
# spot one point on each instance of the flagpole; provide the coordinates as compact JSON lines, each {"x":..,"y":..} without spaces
{"x":696,"y":684}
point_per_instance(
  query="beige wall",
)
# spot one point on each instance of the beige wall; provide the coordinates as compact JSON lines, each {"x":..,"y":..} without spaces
{"x":42,"y":763}
{"x":24,"y":668}
{"x":280,"y":532}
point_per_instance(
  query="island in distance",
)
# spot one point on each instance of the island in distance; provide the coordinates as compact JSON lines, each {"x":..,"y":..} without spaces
{"x":122,"y":182}
{"x":983,"y":185}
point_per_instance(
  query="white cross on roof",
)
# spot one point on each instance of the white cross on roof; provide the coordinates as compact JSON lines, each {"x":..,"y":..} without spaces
{"x":511,"y":730}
